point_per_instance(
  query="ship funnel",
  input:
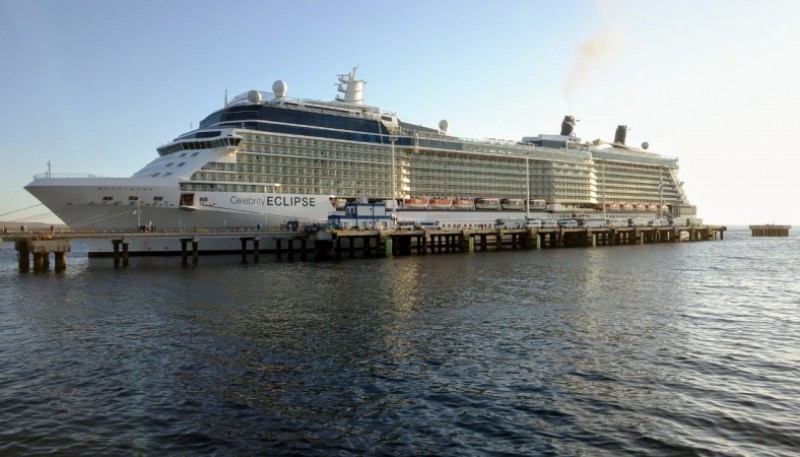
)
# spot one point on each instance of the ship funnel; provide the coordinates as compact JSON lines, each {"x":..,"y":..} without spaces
{"x":568,"y":125}
{"x":622,"y":132}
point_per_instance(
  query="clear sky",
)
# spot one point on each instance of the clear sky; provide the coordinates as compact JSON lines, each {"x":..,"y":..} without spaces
{"x":94,"y":86}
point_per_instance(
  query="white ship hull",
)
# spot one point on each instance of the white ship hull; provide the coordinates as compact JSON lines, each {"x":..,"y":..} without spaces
{"x":84,"y":204}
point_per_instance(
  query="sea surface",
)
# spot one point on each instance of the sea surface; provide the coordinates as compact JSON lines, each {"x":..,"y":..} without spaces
{"x":658,"y":350}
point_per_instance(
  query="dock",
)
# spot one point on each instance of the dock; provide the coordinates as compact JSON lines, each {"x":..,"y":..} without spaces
{"x":770,"y":230}
{"x":373,"y":243}
{"x":39,"y":245}
{"x":338,"y":244}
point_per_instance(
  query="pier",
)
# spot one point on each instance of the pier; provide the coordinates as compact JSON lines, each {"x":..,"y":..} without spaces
{"x":339,"y":244}
{"x":770,"y":230}
{"x":39,"y":245}
{"x":372,"y":243}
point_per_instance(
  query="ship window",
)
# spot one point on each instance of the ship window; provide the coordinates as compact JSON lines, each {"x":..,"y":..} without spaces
{"x":167,"y":173}
{"x":155,"y":175}
{"x":133,"y":198}
{"x":182,"y":155}
{"x":170,"y":164}
{"x":158,"y":199}
{"x":194,"y":154}
{"x":182,"y":164}
{"x":108,"y":198}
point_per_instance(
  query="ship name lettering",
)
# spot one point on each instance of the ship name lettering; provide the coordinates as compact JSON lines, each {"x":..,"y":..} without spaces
{"x":290,"y":201}
{"x":277,"y":200}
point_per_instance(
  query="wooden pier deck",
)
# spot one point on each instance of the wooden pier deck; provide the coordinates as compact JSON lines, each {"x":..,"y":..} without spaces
{"x":353,"y":243}
{"x":370,"y":243}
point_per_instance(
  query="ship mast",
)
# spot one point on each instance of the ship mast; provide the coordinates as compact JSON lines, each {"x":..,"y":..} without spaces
{"x":352,"y":88}
{"x":604,"y":188}
{"x":660,"y":192}
{"x":393,"y":140}
{"x":528,"y":185}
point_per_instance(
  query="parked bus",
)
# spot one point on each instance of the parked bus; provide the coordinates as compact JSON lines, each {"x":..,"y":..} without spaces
{"x":592,"y":222}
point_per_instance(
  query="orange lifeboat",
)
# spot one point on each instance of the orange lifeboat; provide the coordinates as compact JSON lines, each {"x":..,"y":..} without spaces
{"x":463,"y":203}
{"x":441,"y":203}
{"x":416,"y":203}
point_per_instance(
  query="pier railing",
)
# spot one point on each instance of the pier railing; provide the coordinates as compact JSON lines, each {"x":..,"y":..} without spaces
{"x":65,"y":176}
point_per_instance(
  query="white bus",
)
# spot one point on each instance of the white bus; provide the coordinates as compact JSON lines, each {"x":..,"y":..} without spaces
{"x":592,"y":222}
{"x":406,"y":225}
{"x":428,"y":224}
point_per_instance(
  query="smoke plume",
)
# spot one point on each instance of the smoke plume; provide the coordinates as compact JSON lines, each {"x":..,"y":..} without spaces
{"x":597,"y":50}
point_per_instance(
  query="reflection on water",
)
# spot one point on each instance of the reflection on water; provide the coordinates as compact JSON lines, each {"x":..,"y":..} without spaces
{"x":680,"y":349}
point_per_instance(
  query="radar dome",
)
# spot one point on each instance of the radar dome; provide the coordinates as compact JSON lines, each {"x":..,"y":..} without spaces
{"x":279,"y":88}
{"x":254,"y":96}
{"x":645,"y":145}
{"x":443,"y":125}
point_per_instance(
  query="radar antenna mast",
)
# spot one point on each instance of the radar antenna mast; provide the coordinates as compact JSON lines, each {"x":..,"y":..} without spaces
{"x":352,"y":88}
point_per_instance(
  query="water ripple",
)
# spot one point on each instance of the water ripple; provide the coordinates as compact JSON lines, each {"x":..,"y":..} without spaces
{"x":685,"y":349}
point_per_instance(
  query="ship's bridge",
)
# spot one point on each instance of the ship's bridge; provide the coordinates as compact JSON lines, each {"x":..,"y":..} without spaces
{"x":277,"y":107}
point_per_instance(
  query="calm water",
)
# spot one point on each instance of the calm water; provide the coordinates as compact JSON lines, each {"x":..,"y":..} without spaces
{"x":673,"y":349}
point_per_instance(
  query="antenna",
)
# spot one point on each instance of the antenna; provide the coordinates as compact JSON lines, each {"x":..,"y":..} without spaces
{"x":226,"y":97}
{"x":49,"y":175}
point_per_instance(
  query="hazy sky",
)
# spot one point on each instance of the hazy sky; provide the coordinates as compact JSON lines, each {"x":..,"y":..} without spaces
{"x":95,"y":86}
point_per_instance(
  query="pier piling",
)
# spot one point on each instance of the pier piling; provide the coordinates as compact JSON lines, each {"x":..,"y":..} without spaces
{"x":769,"y":230}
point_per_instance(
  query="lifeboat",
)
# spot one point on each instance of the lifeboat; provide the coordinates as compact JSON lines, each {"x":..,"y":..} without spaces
{"x":515,"y":204}
{"x":537,"y":204}
{"x":487,"y":203}
{"x":463,"y":203}
{"x":441,"y":203}
{"x":416,"y":203}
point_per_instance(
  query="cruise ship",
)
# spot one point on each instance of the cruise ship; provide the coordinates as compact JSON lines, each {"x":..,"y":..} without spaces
{"x":266,"y":159}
